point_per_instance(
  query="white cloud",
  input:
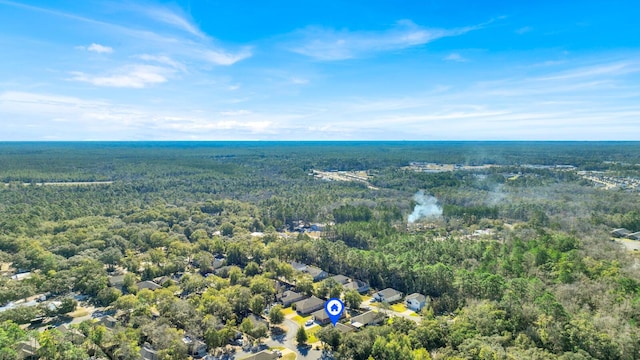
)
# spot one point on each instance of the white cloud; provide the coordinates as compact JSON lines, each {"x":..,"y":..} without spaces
{"x":173,"y":18}
{"x":132,"y":76}
{"x":162,"y":59}
{"x":329,"y":44}
{"x":100,"y":49}
{"x":220,"y":57}
{"x":455,"y":57}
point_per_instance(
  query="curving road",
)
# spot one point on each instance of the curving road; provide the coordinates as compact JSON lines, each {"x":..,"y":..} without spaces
{"x":288,"y":341}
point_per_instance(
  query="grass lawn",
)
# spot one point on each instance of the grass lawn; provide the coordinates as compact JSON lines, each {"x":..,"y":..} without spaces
{"x":399,"y":307}
{"x":277,"y":348}
{"x":301,"y":320}
{"x":288,"y":311}
{"x":414,"y":314}
{"x":366,"y":298}
{"x":289,"y":356}
{"x":311,"y":333}
{"x":79,"y":313}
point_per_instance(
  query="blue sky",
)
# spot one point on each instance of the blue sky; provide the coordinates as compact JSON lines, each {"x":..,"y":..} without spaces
{"x":319,"y":70}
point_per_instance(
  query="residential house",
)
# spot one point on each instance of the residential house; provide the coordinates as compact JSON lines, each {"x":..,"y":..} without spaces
{"x":298,"y":266}
{"x":289,"y":297}
{"x":620,"y":233}
{"x":27,"y":349}
{"x":341,"y":279}
{"x":263,"y":355}
{"x":322,"y":318}
{"x":108,"y":321}
{"x":148,"y":352}
{"x":367,"y":319}
{"x":357,"y":285}
{"x":195,"y":347}
{"x":345,"y":328}
{"x":116,"y":281}
{"x":307,"y":306}
{"x":316,"y":273}
{"x":634,"y":236}
{"x":147,"y":285}
{"x":388,"y":295}
{"x":415,"y":301}
{"x":73,"y":334}
{"x":258,"y":321}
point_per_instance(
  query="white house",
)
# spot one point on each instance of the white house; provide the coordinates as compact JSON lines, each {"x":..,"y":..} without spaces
{"x":415,"y":301}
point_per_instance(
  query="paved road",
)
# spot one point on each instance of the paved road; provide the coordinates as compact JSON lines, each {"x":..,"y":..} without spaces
{"x":289,"y":341}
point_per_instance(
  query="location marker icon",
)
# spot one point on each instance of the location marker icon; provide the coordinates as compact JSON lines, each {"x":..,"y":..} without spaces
{"x":334,"y":308}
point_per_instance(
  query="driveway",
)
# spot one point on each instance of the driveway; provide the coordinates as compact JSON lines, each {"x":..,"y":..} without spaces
{"x":288,"y":341}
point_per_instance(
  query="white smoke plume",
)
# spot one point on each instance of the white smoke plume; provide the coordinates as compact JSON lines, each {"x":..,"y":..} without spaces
{"x":427,"y":207}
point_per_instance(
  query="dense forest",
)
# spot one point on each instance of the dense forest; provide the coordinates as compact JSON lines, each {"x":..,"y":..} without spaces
{"x":519,"y":262}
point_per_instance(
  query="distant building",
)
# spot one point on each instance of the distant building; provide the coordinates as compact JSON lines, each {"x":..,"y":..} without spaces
{"x":28,"y":349}
{"x":307,"y":306}
{"x":415,"y":301}
{"x":345,"y":328}
{"x":148,"y":352}
{"x":620,"y":233}
{"x":357,"y":285}
{"x":634,"y":236}
{"x":322,"y":318}
{"x":298,"y":266}
{"x":108,"y":321}
{"x":366,"y":319}
{"x":388,"y":295}
{"x":117,"y":281}
{"x":289,"y":297}
{"x":147,"y":285}
{"x":316,"y":273}
{"x":195,"y":347}
{"x":341,"y":279}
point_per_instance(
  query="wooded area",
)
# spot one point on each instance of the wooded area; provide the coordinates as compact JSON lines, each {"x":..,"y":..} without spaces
{"x":520,"y":265}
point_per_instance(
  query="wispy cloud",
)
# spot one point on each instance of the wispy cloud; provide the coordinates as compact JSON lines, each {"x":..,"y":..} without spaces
{"x":132,"y":76}
{"x":173,"y":17}
{"x":329,"y":44}
{"x":524,"y":30}
{"x":100,"y":49}
{"x":220,"y":57}
{"x":163,"y":59}
{"x":455,"y":57}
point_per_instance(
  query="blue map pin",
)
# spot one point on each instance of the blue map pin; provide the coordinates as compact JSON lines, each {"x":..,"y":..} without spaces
{"x":334,"y":308}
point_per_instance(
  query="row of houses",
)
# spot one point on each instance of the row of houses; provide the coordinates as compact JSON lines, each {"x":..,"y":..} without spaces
{"x":413,"y":301}
{"x":624,"y":233}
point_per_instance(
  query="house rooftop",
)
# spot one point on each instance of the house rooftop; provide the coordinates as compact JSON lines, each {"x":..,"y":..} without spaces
{"x":389,"y":292}
{"x":341,"y":279}
{"x":416,"y":296}
{"x":309,"y":305}
{"x":147,"y":285}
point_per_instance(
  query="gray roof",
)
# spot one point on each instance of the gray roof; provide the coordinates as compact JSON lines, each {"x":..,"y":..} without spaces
{"x":298,"y":266}
{"x":309,"y":305}
{"x":314,"y":271}
{"x":116,"y":280}
{"x":344,"y":328}
{"x":147,"y":285}
{"x":389,"y":292}
{"x":341,"y":279}
{"x":415,"y":296}
{"x":289,"y":297}
{"x":368,"y":318}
